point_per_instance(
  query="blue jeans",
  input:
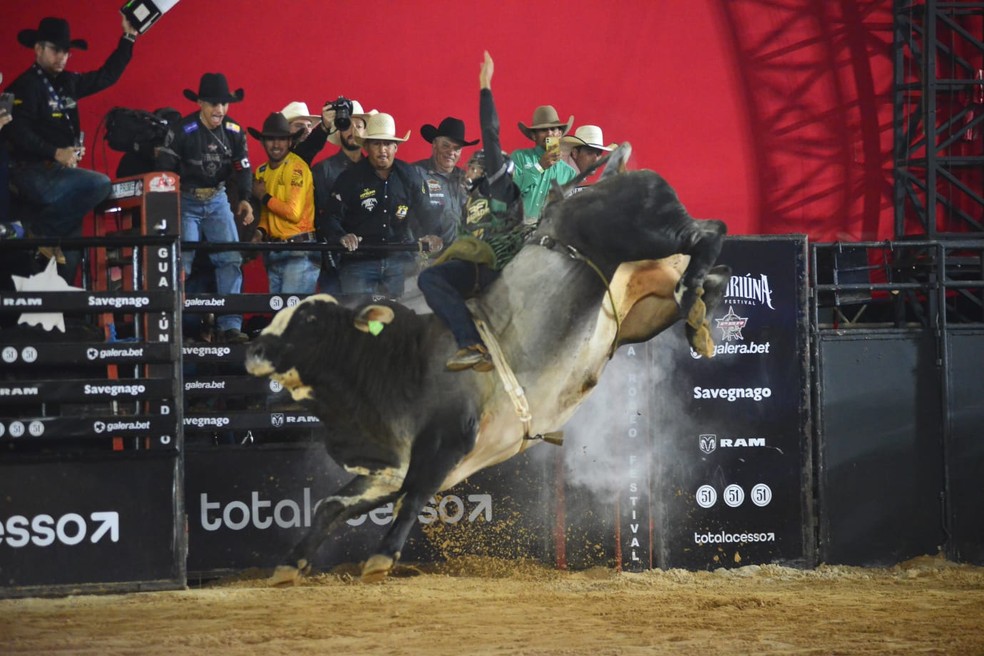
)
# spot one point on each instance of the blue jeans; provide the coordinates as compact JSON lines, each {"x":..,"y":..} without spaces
{"x":377,"y":277}
{"x":293,"y":272}
{"x":212,"y":220}
{"x":64,"y":196}
{"x":447,"y":286}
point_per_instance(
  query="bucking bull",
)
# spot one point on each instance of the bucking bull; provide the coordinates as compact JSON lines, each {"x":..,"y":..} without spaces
{"x":615,"y":264}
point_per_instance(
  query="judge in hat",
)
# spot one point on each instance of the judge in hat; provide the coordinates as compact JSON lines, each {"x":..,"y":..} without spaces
{"x":444,"y":180}
{"x":208,"y":150}
{"x":539,"y":167}
{"x":46,"y":136}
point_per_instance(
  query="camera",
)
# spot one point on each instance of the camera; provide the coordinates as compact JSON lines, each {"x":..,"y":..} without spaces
{"x":343,"y":113}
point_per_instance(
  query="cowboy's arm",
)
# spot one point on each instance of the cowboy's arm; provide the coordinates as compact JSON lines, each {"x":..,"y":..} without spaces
{"x":111,"y":70}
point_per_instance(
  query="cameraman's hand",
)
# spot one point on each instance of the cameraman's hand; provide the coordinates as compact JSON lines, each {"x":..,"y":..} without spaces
{"x":129,"y":30}
{"x":328,"y":117}
{"x":549,"y":158}
{"x":5,"y":117}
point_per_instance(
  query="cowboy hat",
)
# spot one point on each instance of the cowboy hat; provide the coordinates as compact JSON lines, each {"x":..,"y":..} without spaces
{"x":213,"y":88}
{"x":53,"y":30}
{"x":295,"y":110}
{"x":277,"y":126}
{"x":357,"y":112}
{"x":451,"y":128}
{"x":545,"y":116}
{"x":590,"y":136}
{"x":382,"y":127}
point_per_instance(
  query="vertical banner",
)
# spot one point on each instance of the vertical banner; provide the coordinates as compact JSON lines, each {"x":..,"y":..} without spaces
{"x":732,"y":444}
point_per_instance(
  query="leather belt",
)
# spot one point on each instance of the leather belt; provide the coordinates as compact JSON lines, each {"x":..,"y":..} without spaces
{"x":203,"y":193}
{"x":296,"y":239}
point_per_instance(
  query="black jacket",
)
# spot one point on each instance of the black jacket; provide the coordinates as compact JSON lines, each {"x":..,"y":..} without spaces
{"x":207,"y":158}
{"x":41,"y":124}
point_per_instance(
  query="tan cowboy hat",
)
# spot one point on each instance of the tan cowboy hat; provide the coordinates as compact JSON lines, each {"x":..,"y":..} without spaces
{"x":545,"y":116}
{"x":295,"y":110}
{"x":357,"y":112}
{"x":590,"y":136}
{"x":382,"y":127}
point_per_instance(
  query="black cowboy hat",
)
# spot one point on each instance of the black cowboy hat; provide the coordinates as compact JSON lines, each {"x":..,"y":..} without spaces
{"x":275,"y":126}
{"x":213,"y":88}
{"x":52,"y":30}
{"x":451,"y":127}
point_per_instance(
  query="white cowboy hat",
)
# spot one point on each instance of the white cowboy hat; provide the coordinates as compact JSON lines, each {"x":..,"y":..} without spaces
{"x":295,"y":110}
{"x":357,"y":112}
{"x":382,"y":127}
{"x":588,"y":135}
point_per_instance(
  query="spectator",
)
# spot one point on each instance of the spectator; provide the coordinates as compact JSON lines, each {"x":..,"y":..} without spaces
{"x":538,"y":168}
{"x":46,"y":138}
{"x":379,"y":201}
{"x":207,"y":149}
{"x":585,"y":147}
{"x":325,"y":173}
{"x":492,"y":232}
{"x":301,"y":120}
{"x":285,"y":190}
{"x":444,"y":180}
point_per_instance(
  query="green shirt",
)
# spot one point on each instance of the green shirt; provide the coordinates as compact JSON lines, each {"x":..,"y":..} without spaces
{"x":534,"y":182}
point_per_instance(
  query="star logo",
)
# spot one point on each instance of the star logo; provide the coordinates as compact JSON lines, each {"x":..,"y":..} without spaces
{"x":46,"y":281}
{"x":731,"y":325}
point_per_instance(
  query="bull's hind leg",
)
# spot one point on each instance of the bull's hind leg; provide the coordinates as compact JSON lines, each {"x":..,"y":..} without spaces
{"x":362,"y":494}
{"x":705,"y":241}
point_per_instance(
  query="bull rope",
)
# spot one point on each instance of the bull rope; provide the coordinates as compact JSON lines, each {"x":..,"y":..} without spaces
{"x":511,"y":384}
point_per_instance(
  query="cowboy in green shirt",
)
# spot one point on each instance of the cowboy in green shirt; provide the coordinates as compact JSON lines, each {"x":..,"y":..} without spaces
{"x":539,"y":167}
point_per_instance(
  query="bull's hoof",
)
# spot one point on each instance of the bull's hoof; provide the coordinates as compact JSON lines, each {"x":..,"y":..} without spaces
{"x":701,"y":340}
{"x":286,"y":575}
{"x":698,"y":311}
{"x":377,"y":567}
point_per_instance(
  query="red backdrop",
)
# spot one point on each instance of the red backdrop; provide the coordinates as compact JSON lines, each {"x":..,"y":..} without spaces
{"x":774,"y":117}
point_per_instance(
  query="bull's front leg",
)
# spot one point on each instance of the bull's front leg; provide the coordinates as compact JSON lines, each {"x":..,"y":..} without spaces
{"x":362,"y":494}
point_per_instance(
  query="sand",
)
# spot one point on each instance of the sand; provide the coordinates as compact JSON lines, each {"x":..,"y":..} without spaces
{"x":489,"y":606}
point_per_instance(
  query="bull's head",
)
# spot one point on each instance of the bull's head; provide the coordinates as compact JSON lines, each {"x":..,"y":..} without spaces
{"x":283,"y":349}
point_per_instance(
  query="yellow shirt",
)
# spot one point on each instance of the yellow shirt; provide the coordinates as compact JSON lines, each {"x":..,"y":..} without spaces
{"x":290,"y":210}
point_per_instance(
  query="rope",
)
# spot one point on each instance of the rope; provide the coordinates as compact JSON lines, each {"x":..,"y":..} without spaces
{"x":511,"y":384}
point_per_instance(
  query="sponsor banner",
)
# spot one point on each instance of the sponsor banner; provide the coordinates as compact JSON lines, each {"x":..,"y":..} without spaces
{"x":122,"y":301}
{"x":244,"y":303}
{"x":84,"y":390}
{"x":101,"y":521}
{"x":248,"y":506}
{"x":735,"y":435}
{"x":62,"y":354}
{"x":31,"y":428}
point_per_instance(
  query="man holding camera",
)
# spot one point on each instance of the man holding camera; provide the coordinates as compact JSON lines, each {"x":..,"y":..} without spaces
{"x":46,"y":139}
{"x":537,"y":168}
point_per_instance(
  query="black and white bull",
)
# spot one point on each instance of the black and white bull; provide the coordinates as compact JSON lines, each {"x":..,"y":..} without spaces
{"x":616,"y":264}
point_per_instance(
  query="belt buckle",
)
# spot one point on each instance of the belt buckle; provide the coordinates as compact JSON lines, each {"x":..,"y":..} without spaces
{"x":203,"y":193}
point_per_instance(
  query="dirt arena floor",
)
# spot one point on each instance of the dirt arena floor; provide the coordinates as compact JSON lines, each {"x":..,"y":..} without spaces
{"x":484,"y":606}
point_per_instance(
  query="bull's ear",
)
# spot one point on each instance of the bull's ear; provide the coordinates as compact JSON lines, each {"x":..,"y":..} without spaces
{"x":371,"y":318}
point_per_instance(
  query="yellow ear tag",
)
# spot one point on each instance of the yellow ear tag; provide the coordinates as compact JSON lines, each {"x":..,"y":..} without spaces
{"x":376,"y":327}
